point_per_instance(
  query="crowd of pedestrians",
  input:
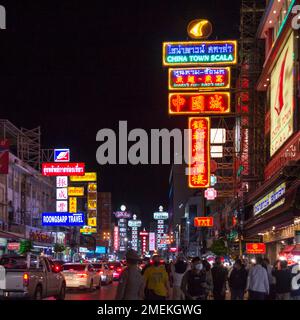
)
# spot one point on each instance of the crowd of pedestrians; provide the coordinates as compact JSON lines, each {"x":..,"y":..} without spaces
{"x":197,"y":280}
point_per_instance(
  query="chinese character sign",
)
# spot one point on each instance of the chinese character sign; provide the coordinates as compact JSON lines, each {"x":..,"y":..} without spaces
{"x":62,"y":193}
{"x":61,"y":206}
{"x":199,"y":103}
{"x":200,"y":53}
{"x":61,"y":182}
{"x":199,"y":167}
{"x":199,"y":78}
{"x":73,"y":204}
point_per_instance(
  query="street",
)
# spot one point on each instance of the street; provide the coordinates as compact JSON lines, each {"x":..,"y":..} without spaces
{"x":105,"y":293}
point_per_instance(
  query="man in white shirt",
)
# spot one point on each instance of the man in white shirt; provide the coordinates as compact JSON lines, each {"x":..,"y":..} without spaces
{"x":258,"y":281}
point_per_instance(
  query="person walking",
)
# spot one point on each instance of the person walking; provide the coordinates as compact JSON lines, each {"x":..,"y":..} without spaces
{"x":219,"y":276}
{"x":258,"y":282}
{"x":238,"y":281}
{"x":283,"y":278}
{"x":194,"y":284}
{"x":269,"y":268}
{"x":157,"y":281}
{"x":209,"y":280}
{"x":177,"y":271}
{"x":131,"y":283}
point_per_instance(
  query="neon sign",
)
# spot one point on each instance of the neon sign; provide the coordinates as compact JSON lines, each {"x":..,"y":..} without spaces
{"x":199,"y":78}
{"x":256,"y":248}
{"x":199,"y":29}
{"x":199,"y":167}
{"x":63,"y":219}
{"x":199,"y":103}
{"x":199,"y":53}
{"x":204,"y":222}
{"x":63,"y":169}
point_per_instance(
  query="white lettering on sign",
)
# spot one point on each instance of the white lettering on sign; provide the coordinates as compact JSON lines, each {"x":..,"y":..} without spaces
{"x":269,"y":199}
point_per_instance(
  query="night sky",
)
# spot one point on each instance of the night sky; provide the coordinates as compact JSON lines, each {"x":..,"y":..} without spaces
{"x":75,"y":67}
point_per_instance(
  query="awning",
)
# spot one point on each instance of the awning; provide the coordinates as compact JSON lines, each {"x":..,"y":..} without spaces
{"x":292,"y":250}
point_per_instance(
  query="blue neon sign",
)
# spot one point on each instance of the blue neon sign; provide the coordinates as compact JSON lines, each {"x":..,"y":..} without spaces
{"x":62,"y":219}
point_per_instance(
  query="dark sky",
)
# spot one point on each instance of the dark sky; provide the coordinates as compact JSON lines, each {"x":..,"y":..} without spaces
{"x":74,"y":67}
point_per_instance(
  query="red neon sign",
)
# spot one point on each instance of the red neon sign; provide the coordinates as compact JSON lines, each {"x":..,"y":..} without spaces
{"x":199,"y":103}
{"x":204,"y":222}
{"x":63,"y":169}
{"x":199,"y":78}
{"x":199,"y":167}
{"x":255,"y":248}
{"x":116,"y":238}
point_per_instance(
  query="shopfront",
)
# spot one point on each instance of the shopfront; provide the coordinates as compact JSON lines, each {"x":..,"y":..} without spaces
{"x":274,"y":217}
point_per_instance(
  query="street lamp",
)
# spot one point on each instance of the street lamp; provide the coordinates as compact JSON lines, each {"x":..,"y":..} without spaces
{"x":123,"y":207}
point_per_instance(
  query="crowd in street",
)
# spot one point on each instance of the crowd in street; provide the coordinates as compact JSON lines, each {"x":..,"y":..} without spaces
{"x":198,"y":280}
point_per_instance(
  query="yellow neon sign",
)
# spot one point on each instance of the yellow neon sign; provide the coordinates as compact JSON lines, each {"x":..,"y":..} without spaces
{"x":199,"y":29}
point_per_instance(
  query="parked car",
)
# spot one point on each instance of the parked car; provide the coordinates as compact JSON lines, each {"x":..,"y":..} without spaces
{"x":81,"y":276}
{"x":31,"y":277}
{"x":105,"y":272}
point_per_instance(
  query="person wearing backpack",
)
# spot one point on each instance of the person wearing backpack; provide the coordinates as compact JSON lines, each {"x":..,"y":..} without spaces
{"x":178,"y":270}
{"x":194,"y":282}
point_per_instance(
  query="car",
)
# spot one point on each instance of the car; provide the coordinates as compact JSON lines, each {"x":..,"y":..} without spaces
{"x":81,"y":276}
{"x":105,"y":272}
{"x":31,"y":277}
{"x":117,"y":269}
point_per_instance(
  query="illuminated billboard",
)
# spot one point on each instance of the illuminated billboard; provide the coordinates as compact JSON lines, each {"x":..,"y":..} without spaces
{"x":255,"y":248}
{"x":62,"y":169}
{"x":73,"y":204}
{"x":76,"y":191}
{"x":199,"y":153}
{"x":204,"y":222}
{"x":199,"y":53}
{"x":54,"y":219}
{"x":282,"y":97}
{"x":199,"y":78}
{"x":199,"y":103}
{"x":88,"y":176}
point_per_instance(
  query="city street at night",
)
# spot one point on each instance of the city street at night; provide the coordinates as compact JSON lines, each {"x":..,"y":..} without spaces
{"x":149,"y":158}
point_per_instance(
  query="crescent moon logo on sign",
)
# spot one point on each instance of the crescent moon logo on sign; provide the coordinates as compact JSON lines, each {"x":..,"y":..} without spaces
{"x":199,"y":29}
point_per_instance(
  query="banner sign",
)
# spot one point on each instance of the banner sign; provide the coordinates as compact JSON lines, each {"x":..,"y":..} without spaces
{"x":76,"y":191}
{"x":63,"y":219}
{"x":269,"y":199}
{"x":199,"y":78}
{"x":199,"y":103}
{"x":134,"y":223}
{"x":204,"y":222}
{"x":151,"y":241}
{"x":161,"y":215}
{"x":62,"y":169}
{"x":199,"y":53}
{"x":199,"y":167}
{"x":88,"y":176}
{"x":122,"y":215}
{"x":255,"y":248}
{"x":282,"y":97}
{"x":72,"y":204}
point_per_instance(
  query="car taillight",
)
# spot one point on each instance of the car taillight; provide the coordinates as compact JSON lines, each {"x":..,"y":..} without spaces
{"x":119,"y":269}
{"x":26,"y":279}
{"x":100,"y":272}
{"x":111,"y":267}
{"x":82,"y":275}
